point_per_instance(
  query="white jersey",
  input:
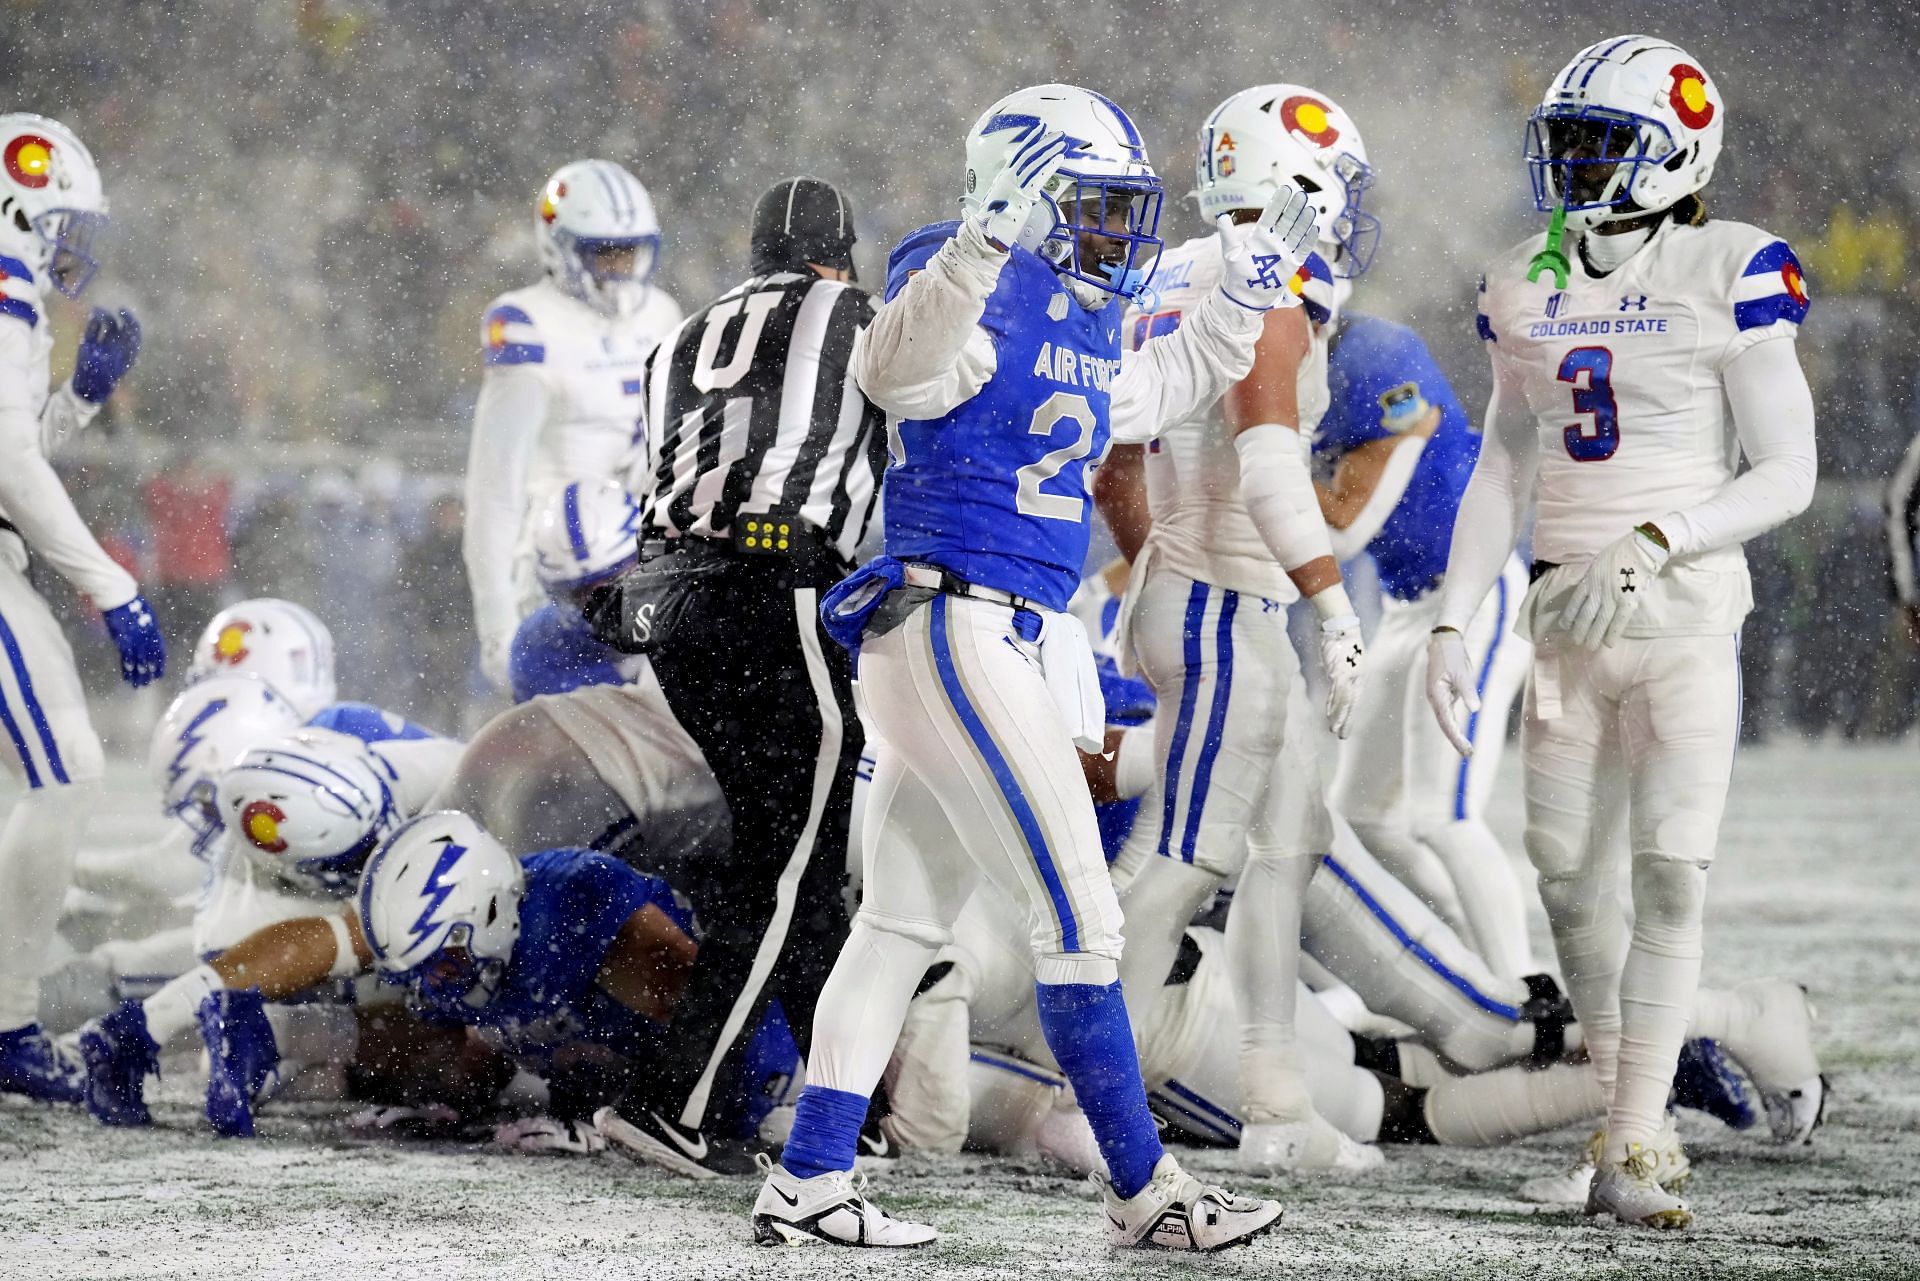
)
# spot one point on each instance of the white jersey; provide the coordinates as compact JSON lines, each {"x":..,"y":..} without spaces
{"x":561,"y":402}
{"x":245,"y":892}
{"x":1200,"y":525}
{"x":1623,"y":376}
{"x":34,"y":420}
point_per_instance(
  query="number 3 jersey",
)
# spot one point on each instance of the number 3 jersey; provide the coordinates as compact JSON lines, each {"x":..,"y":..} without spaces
{"x":1623,"y":376}
{"x":1200,"y":525}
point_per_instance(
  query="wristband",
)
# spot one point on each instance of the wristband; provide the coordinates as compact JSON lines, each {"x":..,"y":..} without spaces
{"x":1331,"y":603}
{"x":345,"y":964}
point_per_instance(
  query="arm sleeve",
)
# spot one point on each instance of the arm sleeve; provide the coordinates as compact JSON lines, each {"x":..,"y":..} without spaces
{"x":1903,"y":525}
{"x":506,"y":426}
{"x":31,"y":493}
{"x":925,"y":352}
{"x":1276,"y":486}
{"x":1488,"y":523}
{"x":1170,"y":377}
{"x":65,"y":416}
{"x":1773,"y":416}
{"x":1402,"y":460}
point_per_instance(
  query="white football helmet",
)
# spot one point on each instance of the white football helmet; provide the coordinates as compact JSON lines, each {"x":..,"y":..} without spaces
{"x":311,"y":806}
{"x":587,"y":208}
{"x":52,"y":206}
{"x":283,"y":643}
{"x":1285,"y":133}
{"x":440,"y":908}
{"x":1630,"y":126}
{"x":585,"y":535}
{"x":1107,"y":162}
{"x":202,"y":732}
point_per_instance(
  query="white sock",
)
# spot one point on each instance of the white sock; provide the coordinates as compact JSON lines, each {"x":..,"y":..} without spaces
{"x":1263,"y":949}
{"x":1590,"y":935}
{"x":1492,"y":1108}
{"x":37,"y":847}
{"x":1657,"y":988}
{"x":863,"y":1005}
{"x":1155,"y":909}
{"x":174,"y":1010}
{"x":315,"y":1033}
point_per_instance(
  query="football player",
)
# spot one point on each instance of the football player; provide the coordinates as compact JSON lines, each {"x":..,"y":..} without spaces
{"x":583,"y":536}
{"x":561,"y":398}
{"x":1401,"y":450}
{"x":976,"y":680}
{"x":1614,"y":368}
{"x":52,"y":210}
{"x":1236,"y":535}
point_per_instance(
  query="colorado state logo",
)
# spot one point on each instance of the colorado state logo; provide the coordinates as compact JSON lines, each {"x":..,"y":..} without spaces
{"x":1795,"y":282}
{"x":1311,"y":117}
{"x":1689,"y":96}
{"x":230,"y":646}
{"x":261,"y":822}
{"x":548,"y":209}
{"x":29,"y":160}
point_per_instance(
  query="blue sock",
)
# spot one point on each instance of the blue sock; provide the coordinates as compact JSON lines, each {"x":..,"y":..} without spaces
{"x":826,"y":1131}
{"x":1087,"y":1030}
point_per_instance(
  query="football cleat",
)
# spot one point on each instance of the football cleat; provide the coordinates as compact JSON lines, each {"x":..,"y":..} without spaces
{"x":1570,"y":1187}
{"x":1794,"y":1114}
{"x":243,"y":1059}
{"x":649,"y":1137}
{"x":1175,"y":1211}
{"x":398,"y":1123}
{"x":550,"y":1136}
{"x":875,"y":1149}
{"x":1773,"y":1042}
{"x":1630,"y":1193}
{"x":119,"y":1055}
{"x":1312,"y":1146}
{"x":1707,"y":1082}
{"x":831,"y":1209}
{"x":34,"y":1064}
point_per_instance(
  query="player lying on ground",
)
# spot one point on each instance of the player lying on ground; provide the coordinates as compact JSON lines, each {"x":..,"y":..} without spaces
{"x":1643,"y":337}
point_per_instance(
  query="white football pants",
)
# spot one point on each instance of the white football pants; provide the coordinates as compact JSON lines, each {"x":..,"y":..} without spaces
{"x":1414,"y":802}
{"x":48,"y":744}
{"x":1656,"y":722}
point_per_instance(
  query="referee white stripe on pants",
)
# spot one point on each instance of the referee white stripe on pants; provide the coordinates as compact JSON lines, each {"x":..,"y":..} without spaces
{"x":974,"y":747}
{"x":48,"y":744}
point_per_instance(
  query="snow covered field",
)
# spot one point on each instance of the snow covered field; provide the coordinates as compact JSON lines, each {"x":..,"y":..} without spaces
{"x":1817,"y":880}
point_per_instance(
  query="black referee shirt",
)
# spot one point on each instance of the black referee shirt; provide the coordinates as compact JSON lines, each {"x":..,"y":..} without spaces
{"x":751,"y":410}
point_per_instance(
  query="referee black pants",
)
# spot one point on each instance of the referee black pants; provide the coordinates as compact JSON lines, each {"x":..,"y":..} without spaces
{"x":768,"y":696}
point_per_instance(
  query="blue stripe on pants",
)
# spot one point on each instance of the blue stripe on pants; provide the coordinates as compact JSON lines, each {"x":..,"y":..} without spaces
{"x":1480,"y":691}
{"x":34,"y":711}
{"x":19,"y":742}
{"x":1023,"y":814}
{"x":1407,"y":941}
{"x":1189,"y":695}
{"x":1216,"y":724}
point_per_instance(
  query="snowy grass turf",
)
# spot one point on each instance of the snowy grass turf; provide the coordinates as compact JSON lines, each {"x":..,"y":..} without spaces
{"x":1816,"y":879}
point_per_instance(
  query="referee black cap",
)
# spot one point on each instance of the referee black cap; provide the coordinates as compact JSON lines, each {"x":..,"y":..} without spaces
{"x":802,"y":220}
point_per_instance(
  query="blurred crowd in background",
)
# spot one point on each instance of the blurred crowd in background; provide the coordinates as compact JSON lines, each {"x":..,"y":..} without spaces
{"x":313,"y":201}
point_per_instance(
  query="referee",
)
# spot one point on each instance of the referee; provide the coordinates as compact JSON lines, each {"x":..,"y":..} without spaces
{"x":762,"y":464}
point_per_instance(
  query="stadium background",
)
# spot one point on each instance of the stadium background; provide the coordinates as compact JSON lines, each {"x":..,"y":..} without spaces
{"x":314,"y":199}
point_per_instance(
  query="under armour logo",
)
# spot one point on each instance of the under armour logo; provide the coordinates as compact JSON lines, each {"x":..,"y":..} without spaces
{"x":1629,"y":301}
{"x":1266,"y":276}
{"x":1626,"y":578}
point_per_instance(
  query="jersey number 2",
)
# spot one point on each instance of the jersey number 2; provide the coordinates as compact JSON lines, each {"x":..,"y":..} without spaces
{"x":1590,"y":370}
{"x":1062,"y":406}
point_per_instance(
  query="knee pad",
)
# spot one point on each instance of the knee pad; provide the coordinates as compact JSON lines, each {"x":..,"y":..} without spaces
{"x":1669,"y":899}
{"x":926,"y":933}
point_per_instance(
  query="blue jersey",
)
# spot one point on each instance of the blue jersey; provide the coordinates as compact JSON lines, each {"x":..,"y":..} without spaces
{"x":554,"y":651}
{"x":996,"y":490}
{"x":368,"y":723}
{"x":1372,"y":364}
{"x":549,"y":996}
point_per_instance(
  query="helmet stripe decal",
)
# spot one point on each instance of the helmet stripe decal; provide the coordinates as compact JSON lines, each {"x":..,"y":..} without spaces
{"x":1132,"y":134}
{"x":1603,"y":55}
{"x":310,"y":782}
{"x":434,"y":891}
{"x":613,"y":192}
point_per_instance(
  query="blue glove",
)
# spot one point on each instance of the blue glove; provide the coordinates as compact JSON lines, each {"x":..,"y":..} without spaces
{"x":143,"y":654}
{"x":107,"y":351}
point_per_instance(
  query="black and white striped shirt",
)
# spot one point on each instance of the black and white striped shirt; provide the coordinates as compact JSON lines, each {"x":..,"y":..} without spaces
{"x":751,"y":410}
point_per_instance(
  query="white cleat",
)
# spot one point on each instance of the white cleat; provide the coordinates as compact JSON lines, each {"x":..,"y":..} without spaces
{"x":1312,"y":1146}
{"x":1774,"y":1043}
{"x":1570,"y":1186}
{"x":829,"y":1209}
{"x":1630,"y":1193}
{"x":1175,"y":1211}
{"x":1065,"y":1135}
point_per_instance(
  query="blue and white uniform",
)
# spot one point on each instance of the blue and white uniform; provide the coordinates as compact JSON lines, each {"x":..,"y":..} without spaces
{"x":554,"y":652}
{"x":1416,"y":804}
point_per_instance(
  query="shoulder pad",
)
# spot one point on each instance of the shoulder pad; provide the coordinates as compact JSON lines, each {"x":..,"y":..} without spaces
{"x":912,"y":253}
{"x":508,"y":336}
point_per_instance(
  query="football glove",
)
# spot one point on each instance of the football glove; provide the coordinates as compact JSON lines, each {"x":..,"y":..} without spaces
{"x":1342,"y":655}
{"x":108,"y":349}
{"x":1608,"y":595}
{"x":1450,"y":685}
{"x":143,"y":652}
{"x":1263,"y":256}
{"x":1011,"y":196}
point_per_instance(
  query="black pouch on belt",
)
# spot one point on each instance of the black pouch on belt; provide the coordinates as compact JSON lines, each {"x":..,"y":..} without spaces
{"x":641,"y":611}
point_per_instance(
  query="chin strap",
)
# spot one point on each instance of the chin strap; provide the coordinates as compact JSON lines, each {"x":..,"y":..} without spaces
{"x":1553,"y":258}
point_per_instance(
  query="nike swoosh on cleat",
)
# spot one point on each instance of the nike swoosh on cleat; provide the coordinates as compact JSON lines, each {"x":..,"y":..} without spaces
{"x":882,"y":1147}
{"x":790,"y":1200}
{"x":693,"y":1152}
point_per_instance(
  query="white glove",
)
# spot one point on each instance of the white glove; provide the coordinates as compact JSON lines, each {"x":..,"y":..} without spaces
{"x":1263,"y":256}
{"x":546,"y":1135}
{"x":495,"y":654}
{"x":1450,"y":685}
{"x":1341,"y":654}
{"x":1010,"y":198}
{"x":1609,"y":593}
